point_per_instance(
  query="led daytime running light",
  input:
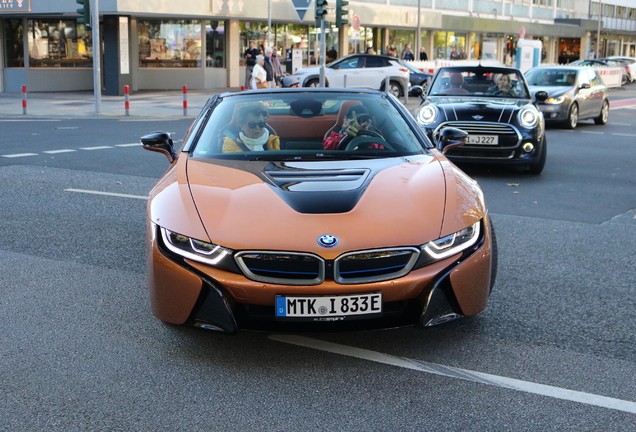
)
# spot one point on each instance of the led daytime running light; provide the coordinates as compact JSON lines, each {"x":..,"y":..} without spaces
{"x":195,"y":250}
{"x":454,"y":243}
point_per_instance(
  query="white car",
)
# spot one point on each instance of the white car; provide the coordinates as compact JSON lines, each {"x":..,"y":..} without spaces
{"x":365,"y":71}
{"x":631,"y":61}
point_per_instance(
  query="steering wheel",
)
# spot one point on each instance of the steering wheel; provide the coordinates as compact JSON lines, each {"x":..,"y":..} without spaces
{"x":345,"y":143}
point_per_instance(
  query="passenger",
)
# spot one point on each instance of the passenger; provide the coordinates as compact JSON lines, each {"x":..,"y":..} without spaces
{"x":356,"y":119}
{"x":254,"y":134}
{"x":570,"y":80}
{"x":503,"y":87}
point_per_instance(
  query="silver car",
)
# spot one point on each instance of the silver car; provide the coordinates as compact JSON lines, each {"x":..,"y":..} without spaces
{"x":574,"y":93}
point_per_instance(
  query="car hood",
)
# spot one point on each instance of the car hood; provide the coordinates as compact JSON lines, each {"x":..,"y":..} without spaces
{"x":482,"y":109}
{"x":288,"y":205}
{"x":552,"y":91}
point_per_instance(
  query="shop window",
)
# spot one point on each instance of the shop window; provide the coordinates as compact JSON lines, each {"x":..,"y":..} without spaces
{"x":59,"y":43}
{"x":14,"y":45}
{"x":169,"y":43}
{"x":215,"y":43}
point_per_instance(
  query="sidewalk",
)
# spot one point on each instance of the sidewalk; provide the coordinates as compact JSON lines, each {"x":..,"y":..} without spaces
{"x":160,"y":104}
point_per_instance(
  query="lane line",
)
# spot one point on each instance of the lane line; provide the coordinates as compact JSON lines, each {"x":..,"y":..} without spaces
{"x":31,"y":120}
{"x":106,"y":193}
{"x":620,"y":124}
{"x":592,"y":132}
{"x":96,"y":148}
{"x":463,"y":374}
{"x":128,"y":145}
{"x":58,"y":151}
{"x":622,"y":134}
{"x":19,"y":155}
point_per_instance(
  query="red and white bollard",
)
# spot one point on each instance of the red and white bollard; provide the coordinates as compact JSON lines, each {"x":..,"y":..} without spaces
{"x":127,"y":100}
{"x":24,"y":100}
{"x":185,"y":100}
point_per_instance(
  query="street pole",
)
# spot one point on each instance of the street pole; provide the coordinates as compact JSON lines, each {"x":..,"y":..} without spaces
{"x":97,"y":57}
{"x":269,"y":23}
{"x":598,"y":30}
{"x":418,"y":33}
{"x":323,"y":48}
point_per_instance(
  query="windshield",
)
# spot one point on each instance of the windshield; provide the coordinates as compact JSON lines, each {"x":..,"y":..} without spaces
{"x":479,"y":82}
{"x":302,"y":125}
{"x":551,"y":77}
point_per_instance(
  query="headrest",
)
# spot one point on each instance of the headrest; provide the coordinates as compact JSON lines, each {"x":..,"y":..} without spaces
{"x":306,"y":108}
{"x":456,"y":79}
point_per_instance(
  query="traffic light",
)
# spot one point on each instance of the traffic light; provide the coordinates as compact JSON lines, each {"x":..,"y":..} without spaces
{"x":321,"y":9}
{"x":341,"y":13}
{"x":85,"y":11}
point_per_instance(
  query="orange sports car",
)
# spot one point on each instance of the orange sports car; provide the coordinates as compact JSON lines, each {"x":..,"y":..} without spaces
{"x":304,"y":210}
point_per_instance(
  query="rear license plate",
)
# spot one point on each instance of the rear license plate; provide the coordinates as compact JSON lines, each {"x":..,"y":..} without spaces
{"x":317,"y":308}
{"x":483,"y":139}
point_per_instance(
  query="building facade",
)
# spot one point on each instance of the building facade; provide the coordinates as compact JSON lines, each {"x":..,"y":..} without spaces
{"x":165,"y":44}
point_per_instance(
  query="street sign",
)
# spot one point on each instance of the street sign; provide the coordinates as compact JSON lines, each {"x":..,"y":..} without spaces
{"x":301,"y":6}
{"x":355,"y":22}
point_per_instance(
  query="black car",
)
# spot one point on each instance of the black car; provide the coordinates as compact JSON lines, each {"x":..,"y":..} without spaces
{"x":495,"y":107}
{"x":417,"y":77}
{"x":575,"y":93}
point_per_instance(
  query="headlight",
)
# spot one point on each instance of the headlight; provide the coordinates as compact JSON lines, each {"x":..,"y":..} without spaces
{"x":528,"y":118}
{"x":426,"y":115}
{"x":193,"y":249}
{"x":454,"y":243}
{"x":555,"y":100}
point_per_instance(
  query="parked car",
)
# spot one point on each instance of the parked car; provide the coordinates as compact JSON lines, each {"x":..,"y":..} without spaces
{"x":494,"y":105}
{"x":626,"y":74}
{"x":381,"y":232}
{"x":362,"y":71}
{"x":417,"y":77}
{"x":631,"y":61}
{"x":574,"y":93}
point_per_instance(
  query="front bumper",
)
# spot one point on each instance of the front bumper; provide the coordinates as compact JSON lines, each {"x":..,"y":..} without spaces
{"x":555,"y":113}
{"x":190,"y":293}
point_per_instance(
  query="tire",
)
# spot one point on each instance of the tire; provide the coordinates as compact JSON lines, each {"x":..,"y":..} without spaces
{"x":313,"y":83}
{"x":536,"y":168}
{"x":603,"y":117}
{"x":395,"y":88}
{"x":494,"y":253}
{"x":573,"y":117}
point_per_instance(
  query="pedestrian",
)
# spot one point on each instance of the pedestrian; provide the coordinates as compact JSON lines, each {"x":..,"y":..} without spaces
{"x":370,"y":50}
{"x":269,"y":68}
{"x":278,"y":68}
{"x":259,"y":76}
{"x":407,"y":54}
{"x":332,"y":54}
{"x":454,"y":55}
{"x":423,"y":55}
{"x":250,"y":61}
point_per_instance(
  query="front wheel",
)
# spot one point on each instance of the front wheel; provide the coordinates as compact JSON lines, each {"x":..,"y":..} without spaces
{"x":573,"y":117}
{"x":603,"y":117}
{"x":537,"y":167}
{"x":313,"y":83}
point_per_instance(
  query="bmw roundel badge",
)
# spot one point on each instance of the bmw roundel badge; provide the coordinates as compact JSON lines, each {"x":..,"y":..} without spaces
{"x":327,"y":240}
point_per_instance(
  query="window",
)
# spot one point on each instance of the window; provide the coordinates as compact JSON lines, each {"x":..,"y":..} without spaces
{"x":14,"y":35}
{"x":169,"y":43}
{"x":59,"y":43}
{"x":215,"y":43}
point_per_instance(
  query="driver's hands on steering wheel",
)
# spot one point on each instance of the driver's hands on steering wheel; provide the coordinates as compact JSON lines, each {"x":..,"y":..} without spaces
{"x":354,"y":126}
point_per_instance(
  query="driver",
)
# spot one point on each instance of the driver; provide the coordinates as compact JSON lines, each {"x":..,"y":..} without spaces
{"x":357,"y":119}
{"x":503,"y":87}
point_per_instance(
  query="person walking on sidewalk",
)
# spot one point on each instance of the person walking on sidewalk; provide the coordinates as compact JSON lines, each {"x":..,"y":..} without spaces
{"x":250,"y":61}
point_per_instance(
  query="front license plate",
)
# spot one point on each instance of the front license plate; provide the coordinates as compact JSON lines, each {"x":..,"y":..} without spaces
{"x":326,"y":307}
{"x":483,"y":139}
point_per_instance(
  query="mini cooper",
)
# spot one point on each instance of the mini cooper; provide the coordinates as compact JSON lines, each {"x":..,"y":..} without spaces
{"x":301,"y":210}
{"x":494,"y":106}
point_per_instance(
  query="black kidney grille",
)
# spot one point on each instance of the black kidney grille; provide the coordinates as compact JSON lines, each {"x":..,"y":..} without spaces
{"x":284,"y":268}
{"x":375,"y":265}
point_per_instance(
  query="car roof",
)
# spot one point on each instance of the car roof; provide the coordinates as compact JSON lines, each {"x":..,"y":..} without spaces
{"x":325,"y":90}
{"x":500,"y":69}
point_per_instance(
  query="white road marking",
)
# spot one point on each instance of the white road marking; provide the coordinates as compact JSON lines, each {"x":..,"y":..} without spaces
{"x":31,"y":120}
{"x":592,"y":132}
{"x":59,"y":151}
{"x":128,"y":145}
{"x":620,"y":124}
{"x":107,"y":193}
{"x":19,"y":155}
{"x":96,"y":148}
{"x":463,"y":374}
{"x":627,"y":135}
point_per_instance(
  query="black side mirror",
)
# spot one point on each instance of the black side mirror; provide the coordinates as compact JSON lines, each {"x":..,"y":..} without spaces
{"x":160,"y":142}
{"x":416,"y":91}
{"x":541,"y":96}
{"x":449,"y":138}
{"x":586,"y":86}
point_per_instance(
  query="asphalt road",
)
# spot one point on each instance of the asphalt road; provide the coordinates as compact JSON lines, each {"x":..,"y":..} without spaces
{"x":80,"y":350}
